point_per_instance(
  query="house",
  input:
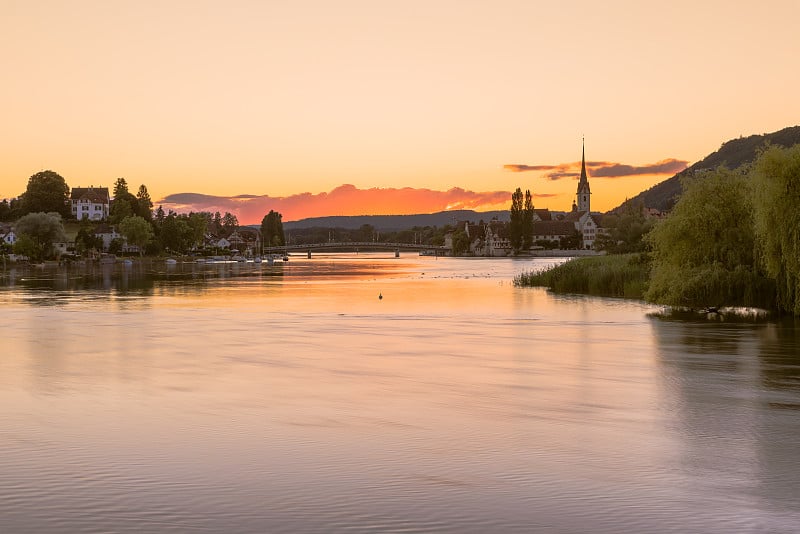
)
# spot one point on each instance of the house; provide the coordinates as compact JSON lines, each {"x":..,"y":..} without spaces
{"x":498,"y":238}
{"x":7,"y":235}
{"x":90,"y":203}
{"x":107,"y":234}
{"x":245,"y":240}
{"x":552,"y":231}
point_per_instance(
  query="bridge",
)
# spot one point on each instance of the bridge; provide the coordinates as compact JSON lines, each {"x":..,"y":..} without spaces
{"x":357,"y":246}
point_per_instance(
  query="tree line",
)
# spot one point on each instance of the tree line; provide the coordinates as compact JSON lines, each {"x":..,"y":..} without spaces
{"x":40,"y":211}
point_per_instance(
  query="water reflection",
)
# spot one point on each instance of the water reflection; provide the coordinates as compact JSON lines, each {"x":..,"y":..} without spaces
{"x":235,"y":398}
{"x":727,"y":388}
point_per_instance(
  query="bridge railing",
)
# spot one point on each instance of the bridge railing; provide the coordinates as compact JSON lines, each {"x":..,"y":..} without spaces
{"x":355,"y":244}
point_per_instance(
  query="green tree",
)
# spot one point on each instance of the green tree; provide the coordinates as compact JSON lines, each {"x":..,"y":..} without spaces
{"x":120,"y":187}
{"x":26,"y":246}
{"x":47,"y":192}
{"x":44,"y":229}
{"x":527,"y":221}
{"x":86,"y":240}
{"x":776,"y":190}
{"x":229,"y":222}
{"x":137,"y":231}
{"x":123,"y":206}
{"x":516,"y":227}
{"x":175,"y":233}
{"x":198,"y":223}
{"x":460,"y":242}
{"x":144,"y":204}
{"x":626,"y":230}
{"x":703,"y":253}
{"x":272,"y":230}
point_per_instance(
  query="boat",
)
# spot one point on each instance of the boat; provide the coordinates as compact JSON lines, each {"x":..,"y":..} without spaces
{"x":170,"y":261}
{"x":286,"y":258}
{"x":257,"y":259}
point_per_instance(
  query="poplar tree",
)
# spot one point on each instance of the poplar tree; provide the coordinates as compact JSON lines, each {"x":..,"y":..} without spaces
{"x":515,"y":230}
{"x":527,"y":221}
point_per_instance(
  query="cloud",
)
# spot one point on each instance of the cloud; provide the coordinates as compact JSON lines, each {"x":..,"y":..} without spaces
{"x":616,"y":170}
{"x":343,"y":200}
{"x":515,"y":167}
{"x":602,"y":169}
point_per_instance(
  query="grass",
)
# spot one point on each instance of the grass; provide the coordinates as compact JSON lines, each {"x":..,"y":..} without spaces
{"x":623,"y":275}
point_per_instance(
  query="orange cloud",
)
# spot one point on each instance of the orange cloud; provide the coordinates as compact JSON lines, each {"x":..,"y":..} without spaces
{"x":343,"y":200}
{"x":602,"y":169}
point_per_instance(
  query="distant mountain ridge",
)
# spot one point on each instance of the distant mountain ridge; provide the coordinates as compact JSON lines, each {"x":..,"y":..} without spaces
{"x":394,"y":223}
{"x":732,"y":154}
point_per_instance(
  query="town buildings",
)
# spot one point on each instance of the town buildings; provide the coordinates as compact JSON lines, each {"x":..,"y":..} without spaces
{"x":576,"y":229}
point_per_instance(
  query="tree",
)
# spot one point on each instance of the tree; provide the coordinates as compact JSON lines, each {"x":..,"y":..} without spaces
{"x":47,"y":192}
{"x":515,"y":229}
{"x":198,"y":223}
{"x":460,"y":242}
{"x":626,"y":230}
{"x":776,"y":190}
{"x":123,"y":206}
{"x":120,"y":187}
{"x":272,"y":230}
{"x":229,"y":222}
{"x":5,"y":210}
{"x":26,"y":246}
{"x":137,"y":231}
{"x":86,"y":240}
{"x":44,"y":229}
{"x":703,"y":253}
{"x":145,"y":204}
{"x":175,"y":233}
{"x":527,"y":221}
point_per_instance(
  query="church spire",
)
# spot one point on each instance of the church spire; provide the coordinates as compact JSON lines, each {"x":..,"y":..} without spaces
{"x":583,"y":161}
{"x":583,"y":185}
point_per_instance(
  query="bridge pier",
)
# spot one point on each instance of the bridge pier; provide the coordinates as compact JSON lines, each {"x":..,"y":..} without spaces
{"x":309,"y":254}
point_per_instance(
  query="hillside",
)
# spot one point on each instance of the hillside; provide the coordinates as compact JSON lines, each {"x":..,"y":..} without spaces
{"x":393,"y":223}
{"x":732,"y":154}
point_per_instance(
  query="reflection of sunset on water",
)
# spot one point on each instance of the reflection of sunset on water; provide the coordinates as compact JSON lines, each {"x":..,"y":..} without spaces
{"x":230,"y":397}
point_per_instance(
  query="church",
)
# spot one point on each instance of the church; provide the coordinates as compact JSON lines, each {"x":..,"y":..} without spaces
{"x":575,"y":229}
{"x":554,"y":226}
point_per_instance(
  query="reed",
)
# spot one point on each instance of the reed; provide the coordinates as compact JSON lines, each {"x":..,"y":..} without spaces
{"x":623,"y":275}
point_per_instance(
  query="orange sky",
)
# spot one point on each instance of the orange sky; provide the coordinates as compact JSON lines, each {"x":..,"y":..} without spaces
{"x":276,"y":99}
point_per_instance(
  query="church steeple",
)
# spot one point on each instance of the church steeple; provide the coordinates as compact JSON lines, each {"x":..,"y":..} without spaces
{"x":584,"y":194}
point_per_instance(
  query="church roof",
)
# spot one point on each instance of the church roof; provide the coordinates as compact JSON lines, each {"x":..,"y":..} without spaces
{"x":584,"y":181}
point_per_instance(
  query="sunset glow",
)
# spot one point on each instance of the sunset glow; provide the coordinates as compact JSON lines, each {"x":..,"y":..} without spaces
{"x":362,"y":107}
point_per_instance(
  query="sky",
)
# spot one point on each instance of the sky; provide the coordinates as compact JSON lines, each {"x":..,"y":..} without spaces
{"x":314,"y":107}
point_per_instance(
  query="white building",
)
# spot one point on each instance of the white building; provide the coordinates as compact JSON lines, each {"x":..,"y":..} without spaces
{"x":90,"y":203}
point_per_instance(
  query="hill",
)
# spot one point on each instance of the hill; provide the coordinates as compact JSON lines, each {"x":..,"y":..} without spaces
{"x":732,"y":154}
{"x":394,"y":223}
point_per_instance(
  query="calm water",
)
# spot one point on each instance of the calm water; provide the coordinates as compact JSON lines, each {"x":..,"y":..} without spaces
{"x":242,"y":398}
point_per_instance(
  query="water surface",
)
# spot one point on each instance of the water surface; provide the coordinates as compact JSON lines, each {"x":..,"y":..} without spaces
{"x":290,"y":398}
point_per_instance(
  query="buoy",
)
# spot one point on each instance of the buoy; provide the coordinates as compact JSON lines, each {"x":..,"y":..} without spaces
{"x":380,"y":296}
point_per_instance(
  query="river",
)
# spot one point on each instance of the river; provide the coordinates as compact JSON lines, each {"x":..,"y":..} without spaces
{"x":291,"y":398}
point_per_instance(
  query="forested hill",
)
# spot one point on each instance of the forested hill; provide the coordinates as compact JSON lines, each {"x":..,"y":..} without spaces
{"x":392,"y":223}
{"x":732,"y":154}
